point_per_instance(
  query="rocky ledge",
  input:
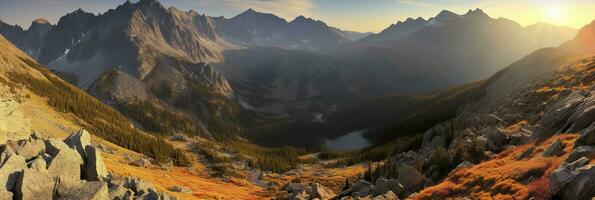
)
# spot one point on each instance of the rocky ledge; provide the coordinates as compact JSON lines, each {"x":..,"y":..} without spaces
{"x":47,"y":168}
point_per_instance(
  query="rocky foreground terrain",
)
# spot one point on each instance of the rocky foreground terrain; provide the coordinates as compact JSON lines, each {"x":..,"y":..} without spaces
{"x":48,"y":168}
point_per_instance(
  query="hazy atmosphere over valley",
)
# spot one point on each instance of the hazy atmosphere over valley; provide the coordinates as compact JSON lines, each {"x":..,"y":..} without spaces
{"x":297,"y":99}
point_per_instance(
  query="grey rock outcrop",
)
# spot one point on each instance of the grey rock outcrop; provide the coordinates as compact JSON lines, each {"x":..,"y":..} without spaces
{"x":410,"y":178}
{"x":526,"y":153}
{"x":587,"y":136}
{"x":581,"y":151}
{"x":564,"y":174}
{"x":583,"y":115}
{"x":555,"y":149}
{"x":582,"y":186}
{"x":56,"y":174}
{"x":384,"y":186}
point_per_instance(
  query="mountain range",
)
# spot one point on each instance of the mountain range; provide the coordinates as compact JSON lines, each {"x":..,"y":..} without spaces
{"x":200,"y":69}
{"x":148,"y":102}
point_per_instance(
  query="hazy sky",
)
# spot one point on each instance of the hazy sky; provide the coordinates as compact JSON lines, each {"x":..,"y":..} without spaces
{"x":357,"y":15}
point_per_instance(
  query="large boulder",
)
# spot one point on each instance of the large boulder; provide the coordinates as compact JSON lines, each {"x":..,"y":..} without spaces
{"x":74,"y":190}
{"x":95,"y":168}
{"x":410,"y":178}
{"x":526,"y":153}
{"x":383,"y":186}
{"x":321,"y":192}
{"x":557,"y":114}
{"x":27,"y":148}
{"x":33,"y":184}
{"x":496,"y":137}
{"x":79,"y":141}
{"x":584,"y":114}
{"x":587,"y":136}
{"x":582,"y":186}
{"x":66,"y":165}
{"x":581,"y":151}
{"x":555,"y":149}
{"x":564,"y":174}
{"x":11,"y":166}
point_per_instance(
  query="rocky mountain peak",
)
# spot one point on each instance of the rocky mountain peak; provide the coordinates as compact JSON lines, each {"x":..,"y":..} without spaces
{"x":445,"y":14}
{"x":41,"y":21}
{"x":477,"y":13}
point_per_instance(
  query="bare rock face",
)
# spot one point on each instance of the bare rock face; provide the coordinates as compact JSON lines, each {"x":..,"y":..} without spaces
{"x":34,"y":184}
{"x":73,"y":190}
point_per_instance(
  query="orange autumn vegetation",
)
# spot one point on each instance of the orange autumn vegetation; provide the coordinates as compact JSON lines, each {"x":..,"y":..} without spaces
{"x":504,"y":177}
{"x":203,"y":186}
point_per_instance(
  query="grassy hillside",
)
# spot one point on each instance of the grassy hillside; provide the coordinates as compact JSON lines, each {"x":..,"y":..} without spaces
{"x":94,"y":116}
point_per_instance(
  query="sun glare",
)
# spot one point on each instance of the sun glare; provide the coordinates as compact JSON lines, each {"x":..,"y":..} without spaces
{"x":556,"y":15}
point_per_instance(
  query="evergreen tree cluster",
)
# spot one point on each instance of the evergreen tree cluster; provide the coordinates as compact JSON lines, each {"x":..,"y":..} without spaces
{"x":159,"y":120}
{"x":274,"y":159}
{"x":99,"y":119}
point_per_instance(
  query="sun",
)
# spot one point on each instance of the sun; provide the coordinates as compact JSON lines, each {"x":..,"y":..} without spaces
{"x":554,"y":14}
